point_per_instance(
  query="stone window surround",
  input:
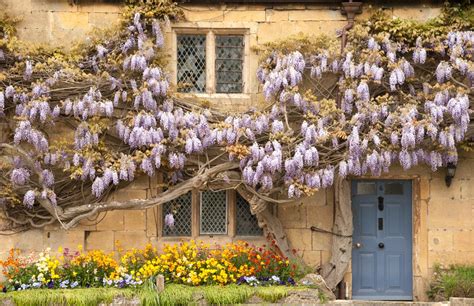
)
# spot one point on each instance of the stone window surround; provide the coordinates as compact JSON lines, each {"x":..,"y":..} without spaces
{"x":211,"y":33}
{"x":196,"y":222}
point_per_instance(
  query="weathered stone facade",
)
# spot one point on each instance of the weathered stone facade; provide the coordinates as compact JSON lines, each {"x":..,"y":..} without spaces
{"x":443,"y":217}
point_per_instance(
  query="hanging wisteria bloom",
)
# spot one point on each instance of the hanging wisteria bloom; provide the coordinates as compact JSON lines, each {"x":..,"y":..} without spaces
{"x":169,"y":220}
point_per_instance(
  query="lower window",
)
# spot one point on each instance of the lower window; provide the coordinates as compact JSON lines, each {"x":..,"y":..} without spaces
{"x":208,"y":213}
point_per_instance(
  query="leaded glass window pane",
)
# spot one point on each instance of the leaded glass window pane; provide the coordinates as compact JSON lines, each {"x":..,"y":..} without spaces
{"x":180,"y":210}
{"x":191,"y":63}
{"x":247,"y":224}
{"x":213,"y":212}
{"x":229,"y":58}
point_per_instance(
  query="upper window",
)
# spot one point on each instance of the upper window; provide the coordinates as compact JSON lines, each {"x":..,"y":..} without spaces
{"x":229,"y":58}
{"x":210,"y":63}
{"x":192,"y":63}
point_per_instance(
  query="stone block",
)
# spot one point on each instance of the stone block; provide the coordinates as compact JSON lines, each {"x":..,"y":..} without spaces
{"x":464,"y":240}
{"x":100,"y":7}
{"x":420,"y":287}
{"x":135,"y":220}
{"x":316,"y":15}
{"x":152,"y":222}
{"x":420,"y":240}
{"x":253,"y":16}
{"x":321,"y":241}
{"x":289,"y":6}
{"x":320,"y":216}
{"x":112,"y":221}
{"x":244,"y":7}
{"x":330,"y":196}
{"x":461,"y":301}
{"x":15,"y":7}
{"x":35,"y":20}
{"x":440,"y":240}
{"x":318,"y":199}
{"x":312,"y":259}
{"x":300,"y":239}
{"x":129,"y":194}
{"x":439,"y":190}
{"x":274,"y":31}
{"x":447,"y":258}
{"x":100,"y":240}
{"x":103,"y":20}
{"x":272,"y":15}
{"x":424,"y":188}
{"x":292,"y":216}
{"x":467,"y":188}
{"x":325,"y":257}
{"x":65,"y":239}
{"x":416,"y":13}
{"x":131,"y":239}
{"x":87,"y":225}
{"x":67,"y":37}
{"x":71,"y":20}
{"x":28,"y":241}
{"x":53,"y":5}
{"x":446,"y":213}
{"x":211,"y":15}
{"x":139,"y":183}
{"x":33,"y":36}
{"x":366,"y":12}
{"x":465,"y":167}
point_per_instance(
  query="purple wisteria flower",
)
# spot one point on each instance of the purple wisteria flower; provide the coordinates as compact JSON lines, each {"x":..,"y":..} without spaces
{"x":20,"y":176}
{"x":29,"y":198}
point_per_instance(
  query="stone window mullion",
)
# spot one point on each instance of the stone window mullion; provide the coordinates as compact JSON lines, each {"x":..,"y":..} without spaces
{"x":210,"y":62}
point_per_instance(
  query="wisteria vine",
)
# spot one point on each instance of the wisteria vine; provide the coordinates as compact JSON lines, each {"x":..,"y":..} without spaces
{"x":388,"y":101}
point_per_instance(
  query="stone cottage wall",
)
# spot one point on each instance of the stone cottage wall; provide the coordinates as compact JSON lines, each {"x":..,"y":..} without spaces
{"x":445,"y":227}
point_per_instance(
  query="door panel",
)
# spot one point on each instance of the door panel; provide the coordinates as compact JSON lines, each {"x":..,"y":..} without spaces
{"x":367,"y":264}
{"x":382,"y":239}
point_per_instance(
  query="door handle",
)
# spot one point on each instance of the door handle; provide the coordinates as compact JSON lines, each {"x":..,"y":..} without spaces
{"x":358,"y":245}
{"x":381,"y":245}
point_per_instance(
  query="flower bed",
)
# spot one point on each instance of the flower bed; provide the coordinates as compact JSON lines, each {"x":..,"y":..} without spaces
{"x":173,"y":294}
{"x":187,"y":263}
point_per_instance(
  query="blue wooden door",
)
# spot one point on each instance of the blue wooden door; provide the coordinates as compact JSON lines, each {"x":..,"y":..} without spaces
{"x":382,"y":240}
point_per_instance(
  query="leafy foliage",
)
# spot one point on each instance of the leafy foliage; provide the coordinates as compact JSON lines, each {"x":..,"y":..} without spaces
{"x":454,"y":17}
{"x":454,"y":281}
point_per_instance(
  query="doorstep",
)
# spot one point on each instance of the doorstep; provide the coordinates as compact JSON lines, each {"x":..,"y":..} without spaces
{"x":452,"y":302}
{"x":383,"y":303}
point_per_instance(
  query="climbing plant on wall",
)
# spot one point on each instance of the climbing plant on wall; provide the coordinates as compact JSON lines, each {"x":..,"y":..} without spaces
{"x":90,"y":121}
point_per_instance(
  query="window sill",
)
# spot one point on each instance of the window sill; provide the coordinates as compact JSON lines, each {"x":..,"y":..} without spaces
{"x":215,"y":96}
{"x":206,"y":237}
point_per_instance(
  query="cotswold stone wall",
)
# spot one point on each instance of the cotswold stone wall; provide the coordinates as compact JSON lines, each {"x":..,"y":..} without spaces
{"x":443,"y":217}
